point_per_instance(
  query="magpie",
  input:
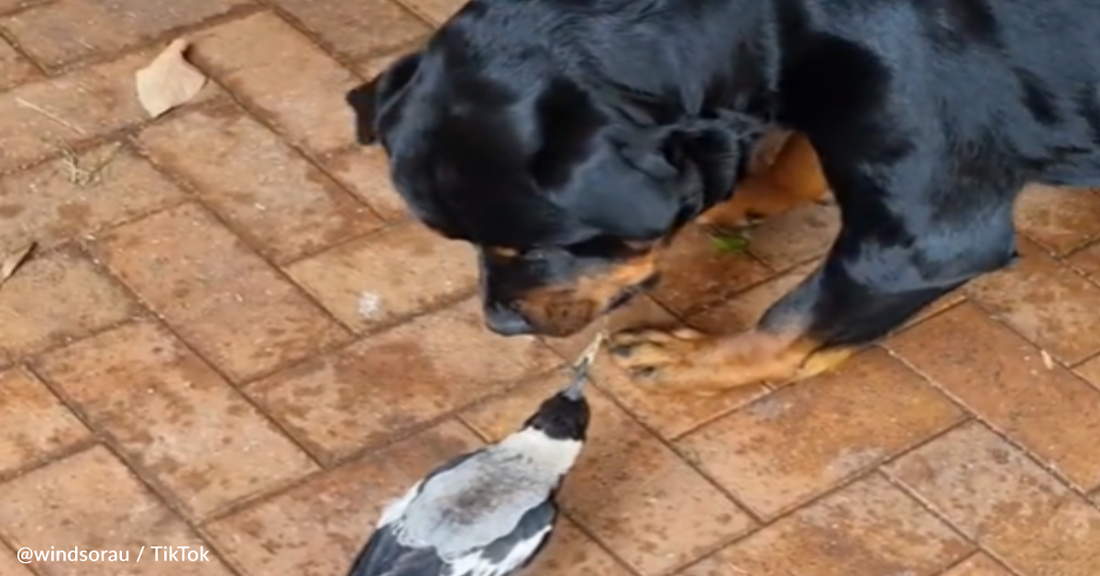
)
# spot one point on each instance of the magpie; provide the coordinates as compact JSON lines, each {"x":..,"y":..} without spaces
{"x":491,"y":511}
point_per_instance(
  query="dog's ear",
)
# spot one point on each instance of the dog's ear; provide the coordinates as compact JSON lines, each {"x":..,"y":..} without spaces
{"x":361,"y":100}
{"x":368,"y":99}
{"x":700,"y":158}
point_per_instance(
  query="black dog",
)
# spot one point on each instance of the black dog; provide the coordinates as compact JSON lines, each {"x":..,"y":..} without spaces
{"x":570,"y":139}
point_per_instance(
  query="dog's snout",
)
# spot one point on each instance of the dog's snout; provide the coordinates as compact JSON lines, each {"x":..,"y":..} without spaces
{"x":506,"y":321}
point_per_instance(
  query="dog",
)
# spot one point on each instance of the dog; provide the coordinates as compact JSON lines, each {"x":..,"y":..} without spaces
{"x":569,"y":140}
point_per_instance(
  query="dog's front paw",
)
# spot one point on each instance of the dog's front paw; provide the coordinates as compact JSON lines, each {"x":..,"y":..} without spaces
{"x":688,"y":362}
{"x":662,"y":360}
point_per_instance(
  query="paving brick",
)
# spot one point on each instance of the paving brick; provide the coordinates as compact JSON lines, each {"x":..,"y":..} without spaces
{"x":14,"y":68}
{"x":219,"y":296}
{"x":994,"y":494}
{"x":42,"y":118}
{"x":9,"y":566}
{"x":978,"y":565}
{"x":386,"y":276}
{"x":435,"y":11}
{"x":33,"y":422}
{"x":175,"y":416}
{"x":89,"y":500}
{"x":629,"y":490}
{"x":288,"y":206}
{"x":56,"y":298}
{"x":358,"y":29}
{"x":802,"y":440}
{"x":1046,"y":303}
{"x":316,"y":528}
{"x":8,"y":6}
{"x":64,"y":31}
{"x":571,"y":552}
{"x":390,"y":383}
{"x":696,"y":273}
{"x":1090,"y":371}
{"x":802,"y":234}
{"x":365,"y":171}
{"x":985,"y":486}
{"x":48,"y":205}
{"x":1004,"y":380}
{"x":1059,"y":219}
{"x":1087,"y":261}
{"x":712,"y":566}
{"x":373,"y":66}
{"x":867,"y":529}
{"x":669,"y":417}
{"x":743,"y":311}
{"x":252,"y":57}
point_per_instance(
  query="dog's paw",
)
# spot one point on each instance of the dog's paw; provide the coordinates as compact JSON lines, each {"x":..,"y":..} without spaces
{"x":685,"y":361}
{"x":660,"y":360}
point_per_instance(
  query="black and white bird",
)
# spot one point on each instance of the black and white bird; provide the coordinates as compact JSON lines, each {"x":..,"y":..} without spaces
{"x":488,"y":512}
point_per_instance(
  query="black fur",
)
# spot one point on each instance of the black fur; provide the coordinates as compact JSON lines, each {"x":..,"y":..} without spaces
{"x":562,"y":128}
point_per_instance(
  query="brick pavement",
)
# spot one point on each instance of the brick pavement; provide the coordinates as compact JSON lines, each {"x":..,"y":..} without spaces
{"x":236,"y":339}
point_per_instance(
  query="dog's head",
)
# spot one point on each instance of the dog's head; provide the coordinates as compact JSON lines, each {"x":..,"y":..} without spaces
{"x":569,"y":189}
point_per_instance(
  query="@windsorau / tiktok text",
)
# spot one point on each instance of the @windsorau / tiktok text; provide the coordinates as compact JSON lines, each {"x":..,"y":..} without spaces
{"x":147,"y":553}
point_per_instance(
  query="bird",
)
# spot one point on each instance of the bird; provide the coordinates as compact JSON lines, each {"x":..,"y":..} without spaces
{"x":489,"y":512}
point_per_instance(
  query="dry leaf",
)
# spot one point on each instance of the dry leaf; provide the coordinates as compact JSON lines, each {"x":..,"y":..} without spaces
{"x":1047,"y":360}
{"x":13,"y":261}
{"x":168,"y":81}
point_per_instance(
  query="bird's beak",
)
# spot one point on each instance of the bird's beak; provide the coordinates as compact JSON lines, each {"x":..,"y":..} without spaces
{"x":575,"y":391}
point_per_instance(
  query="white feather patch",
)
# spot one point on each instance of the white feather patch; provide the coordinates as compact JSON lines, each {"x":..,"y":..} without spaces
{"x":474,"y":564}
{"x":555,"y":457}
{"x":396,"y":508}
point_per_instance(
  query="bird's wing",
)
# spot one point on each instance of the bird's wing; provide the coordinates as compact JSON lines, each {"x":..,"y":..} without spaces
{"x":396,"y":508}
{"x":385,"y":556}
{"x":511,"y":553}
{"x":452,"y":463}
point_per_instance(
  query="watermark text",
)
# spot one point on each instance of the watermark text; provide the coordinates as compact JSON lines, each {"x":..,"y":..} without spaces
{"x":27,"y":555}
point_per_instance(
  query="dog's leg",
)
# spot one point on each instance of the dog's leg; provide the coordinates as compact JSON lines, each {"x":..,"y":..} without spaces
{"x":794,"y":178}
{"x":884,"y":268}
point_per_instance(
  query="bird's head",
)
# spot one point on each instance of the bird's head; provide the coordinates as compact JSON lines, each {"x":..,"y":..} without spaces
{"x":563,"y":416}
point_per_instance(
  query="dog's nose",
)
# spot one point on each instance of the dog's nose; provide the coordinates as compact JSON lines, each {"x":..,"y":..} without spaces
{"x":505,"y":321}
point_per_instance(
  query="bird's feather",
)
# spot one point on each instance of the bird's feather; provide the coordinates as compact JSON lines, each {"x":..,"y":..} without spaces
{"x":512,"y":552}
{"x":396,"y":508}
{"x":472,"y":505}
{"x":384,"y":555}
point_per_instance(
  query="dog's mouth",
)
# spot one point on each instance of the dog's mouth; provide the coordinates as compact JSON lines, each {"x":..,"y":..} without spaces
{"x":563,"y":314}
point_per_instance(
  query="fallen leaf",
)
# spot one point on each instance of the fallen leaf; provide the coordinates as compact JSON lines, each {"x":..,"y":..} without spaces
{"x":1047,"y":360}
{"x":168,"y":81}
{"x":13,"y":261}
{"x":730,"y":244}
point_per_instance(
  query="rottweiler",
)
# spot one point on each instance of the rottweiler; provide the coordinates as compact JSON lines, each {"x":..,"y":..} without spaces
{"x":569,"y":140}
